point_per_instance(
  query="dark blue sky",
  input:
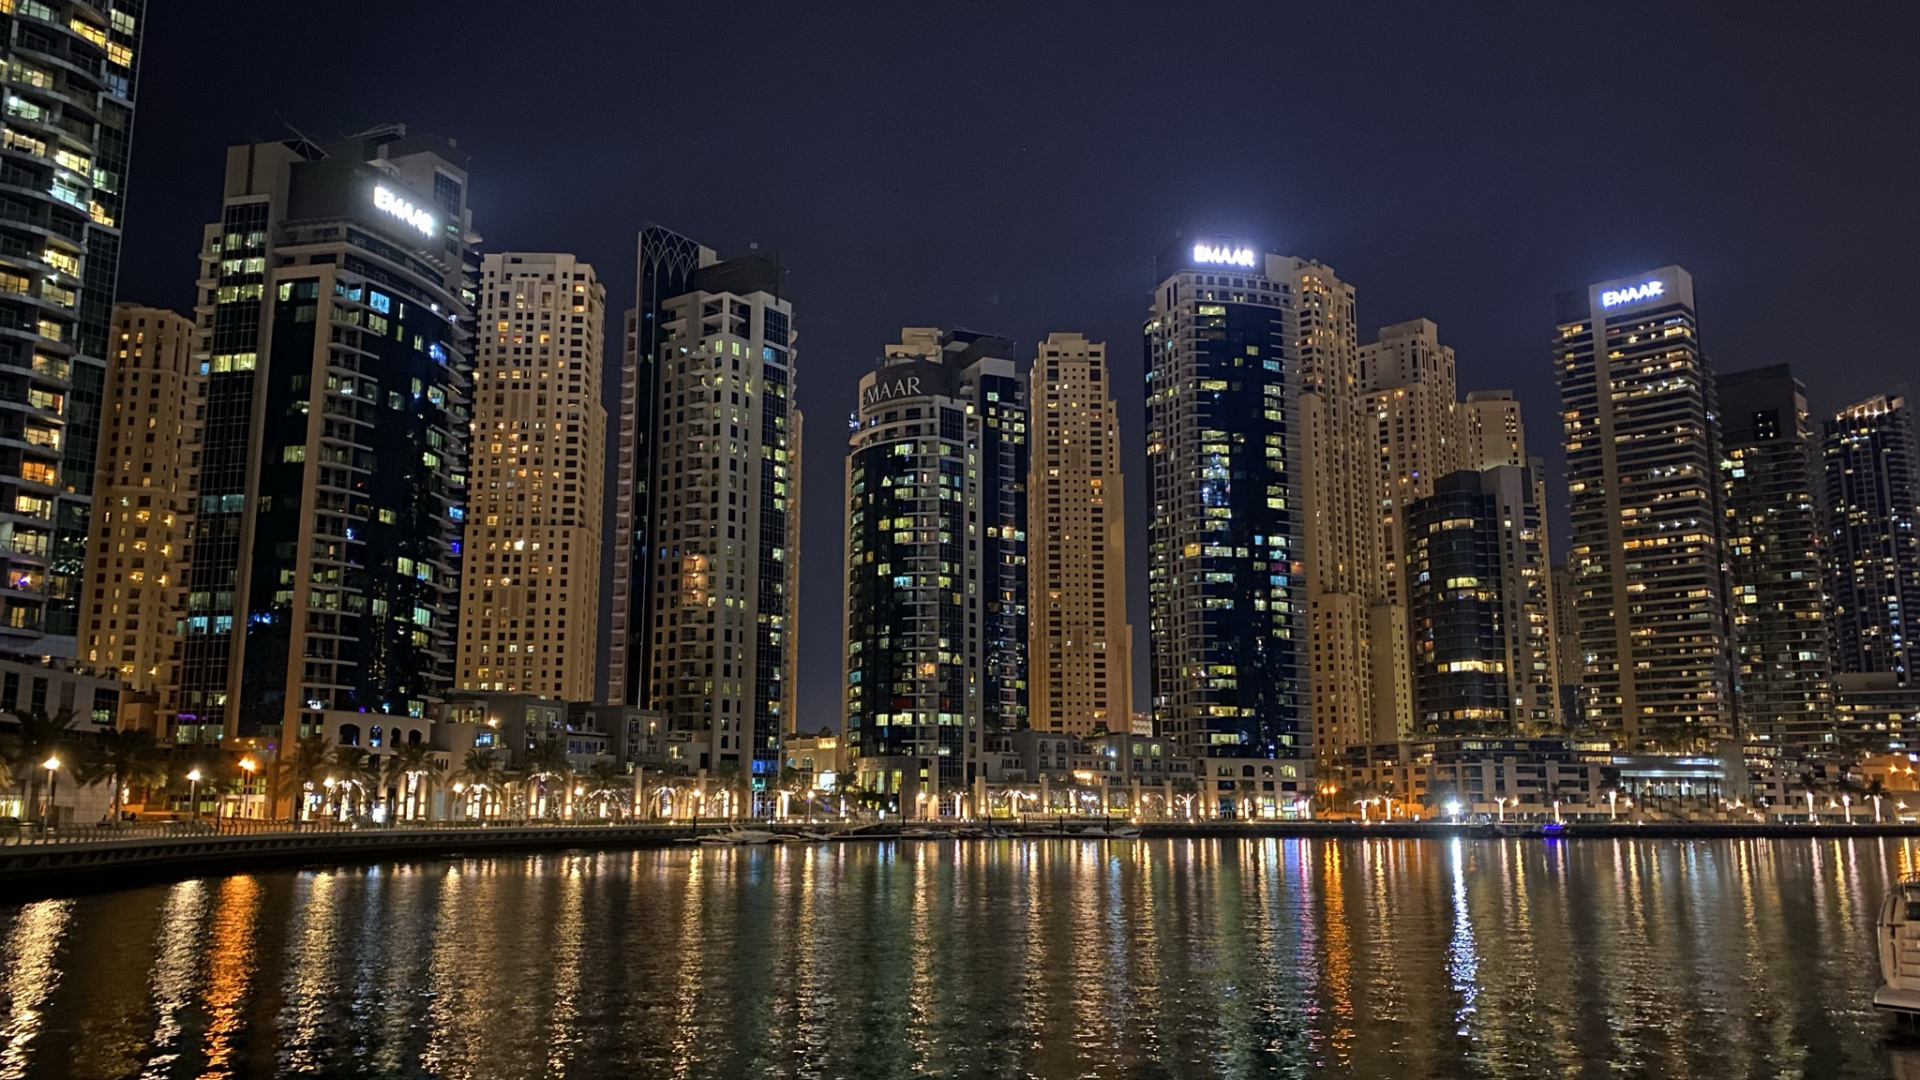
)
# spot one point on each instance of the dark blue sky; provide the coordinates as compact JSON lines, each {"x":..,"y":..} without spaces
{"x":1013,"y":168}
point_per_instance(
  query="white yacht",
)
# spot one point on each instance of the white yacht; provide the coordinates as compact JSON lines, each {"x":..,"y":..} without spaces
{"x":736,"y":836}
{"x":1900,"y":949}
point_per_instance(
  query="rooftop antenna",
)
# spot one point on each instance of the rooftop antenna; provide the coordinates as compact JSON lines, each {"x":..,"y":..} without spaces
{"x":304,"y":144}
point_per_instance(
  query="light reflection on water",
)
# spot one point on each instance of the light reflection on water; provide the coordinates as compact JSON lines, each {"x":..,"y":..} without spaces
{"x":1054,"y":958}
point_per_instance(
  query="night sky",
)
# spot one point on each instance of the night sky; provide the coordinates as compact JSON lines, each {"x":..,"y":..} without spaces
{"x":1013,"y":168}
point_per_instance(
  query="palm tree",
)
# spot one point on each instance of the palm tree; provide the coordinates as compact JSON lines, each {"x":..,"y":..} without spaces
{"x":481,"y":772}
{"x":1876,"y":790}
{"x":606,"y":781}
{"x":1357,"y":794}
{"x":1439,"y":795}
{"x":300,"y":772}
{"x":354,"y":770}
{"x":735,"y":782}
{"x":546,"y":760}
{"x":1186,"y":795}
{"x":40,"y":737}
{"x":1810,"y":786}
{"x":123,"y":757}
{"x":412,"y":768}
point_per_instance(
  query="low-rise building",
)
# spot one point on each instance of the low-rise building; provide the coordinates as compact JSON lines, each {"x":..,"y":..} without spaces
{"x":820,"y":761}
{"x":1253,"y":787}
{"x":1876,"y":714}
{"x":1480,"y":775}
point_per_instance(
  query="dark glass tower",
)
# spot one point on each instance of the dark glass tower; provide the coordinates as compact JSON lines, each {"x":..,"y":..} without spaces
{"x":1477,"y":596}
{"x":1872,"y":466}
{"x":1225,"y":579}
{"x":1783,"y":689}
{"x":324,"y":570}
{"x":936,"y":616}
{"x":70,"y":70}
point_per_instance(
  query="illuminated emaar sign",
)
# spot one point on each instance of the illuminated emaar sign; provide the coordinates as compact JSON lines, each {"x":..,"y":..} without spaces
{"x":899,"y":388}
{"x":1647,"y":291}
{"x":385,"y":199}
{"x":1222,"y":255}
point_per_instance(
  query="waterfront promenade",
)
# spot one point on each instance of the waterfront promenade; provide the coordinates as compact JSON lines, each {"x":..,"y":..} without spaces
{"x":82,"y":859}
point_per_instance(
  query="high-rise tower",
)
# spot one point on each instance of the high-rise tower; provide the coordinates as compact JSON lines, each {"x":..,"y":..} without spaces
{"x":1645,"y":548}
{"x":1226,"y":532}
{"x":707,"y":521}
{"x":1408,"y":377}
{"x":70,"y":71}
{"x":143,"y":502}
{"x":936,"y":558}
{"x":324,"y":570}
{"x":1782,"y":676}
{"x":1872,"y":465}
{"x":1356,"y":632}
{"x":531,"y":609}
{"x":1492,"y":432}
{"x":1477,"y":583}
{"x":1080,"y":654}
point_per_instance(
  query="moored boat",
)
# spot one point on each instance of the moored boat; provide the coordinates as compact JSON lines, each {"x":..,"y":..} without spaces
{"x":736,"y":837}
{"x":1900,"y":949}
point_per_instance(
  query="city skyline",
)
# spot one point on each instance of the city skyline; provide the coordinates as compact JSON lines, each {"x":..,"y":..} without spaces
{"x":1483,"y":264}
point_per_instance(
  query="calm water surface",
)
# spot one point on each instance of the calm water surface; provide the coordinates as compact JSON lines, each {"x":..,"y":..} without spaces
{"x":1054,"y":958}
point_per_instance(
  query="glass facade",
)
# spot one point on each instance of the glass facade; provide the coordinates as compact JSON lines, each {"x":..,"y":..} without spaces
{"x":936,"y":650}
{"x":324,"y":569}
{"x":1477,"y":588}
{"x":1225,"y":591}
{"x":1782,"y":677}
{"x":70,"y":71}
{"x":1872,"y":466}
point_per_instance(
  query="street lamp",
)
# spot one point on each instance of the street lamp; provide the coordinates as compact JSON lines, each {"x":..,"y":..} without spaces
{"x":1613,"y":806}
{"x":1500,"y":809}
{"x":249,"y":765}
{"x":52,"y":765}
{"x":193,"y":791}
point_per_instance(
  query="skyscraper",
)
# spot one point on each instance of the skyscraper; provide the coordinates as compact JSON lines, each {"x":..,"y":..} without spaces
{"x":936,"y":558}
{"x":1783,"y":689}
{"x":1645,"y":548}
{"x":143,"y":502}
{"x":1356,"y":632}
{"x":71,"y":70}
{"x":707,"y":519}
{"x":1408,"y":377}
{"x":1080,"y":653}
{"x":1226,"y":532}
{"x":1492,"y":431}
{"x":1494,"y":434}
{"x":1477,"y":579}
{"x":531,"y":609}
{"x":1566,"y":642}
{"x":324,"y":571}
{"x":1872,"y":465}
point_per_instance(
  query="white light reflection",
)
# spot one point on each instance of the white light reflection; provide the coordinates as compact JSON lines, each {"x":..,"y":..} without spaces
{"x":32,"y":974}
{"x":176,"y":971}
{"x":1463,"y":959}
